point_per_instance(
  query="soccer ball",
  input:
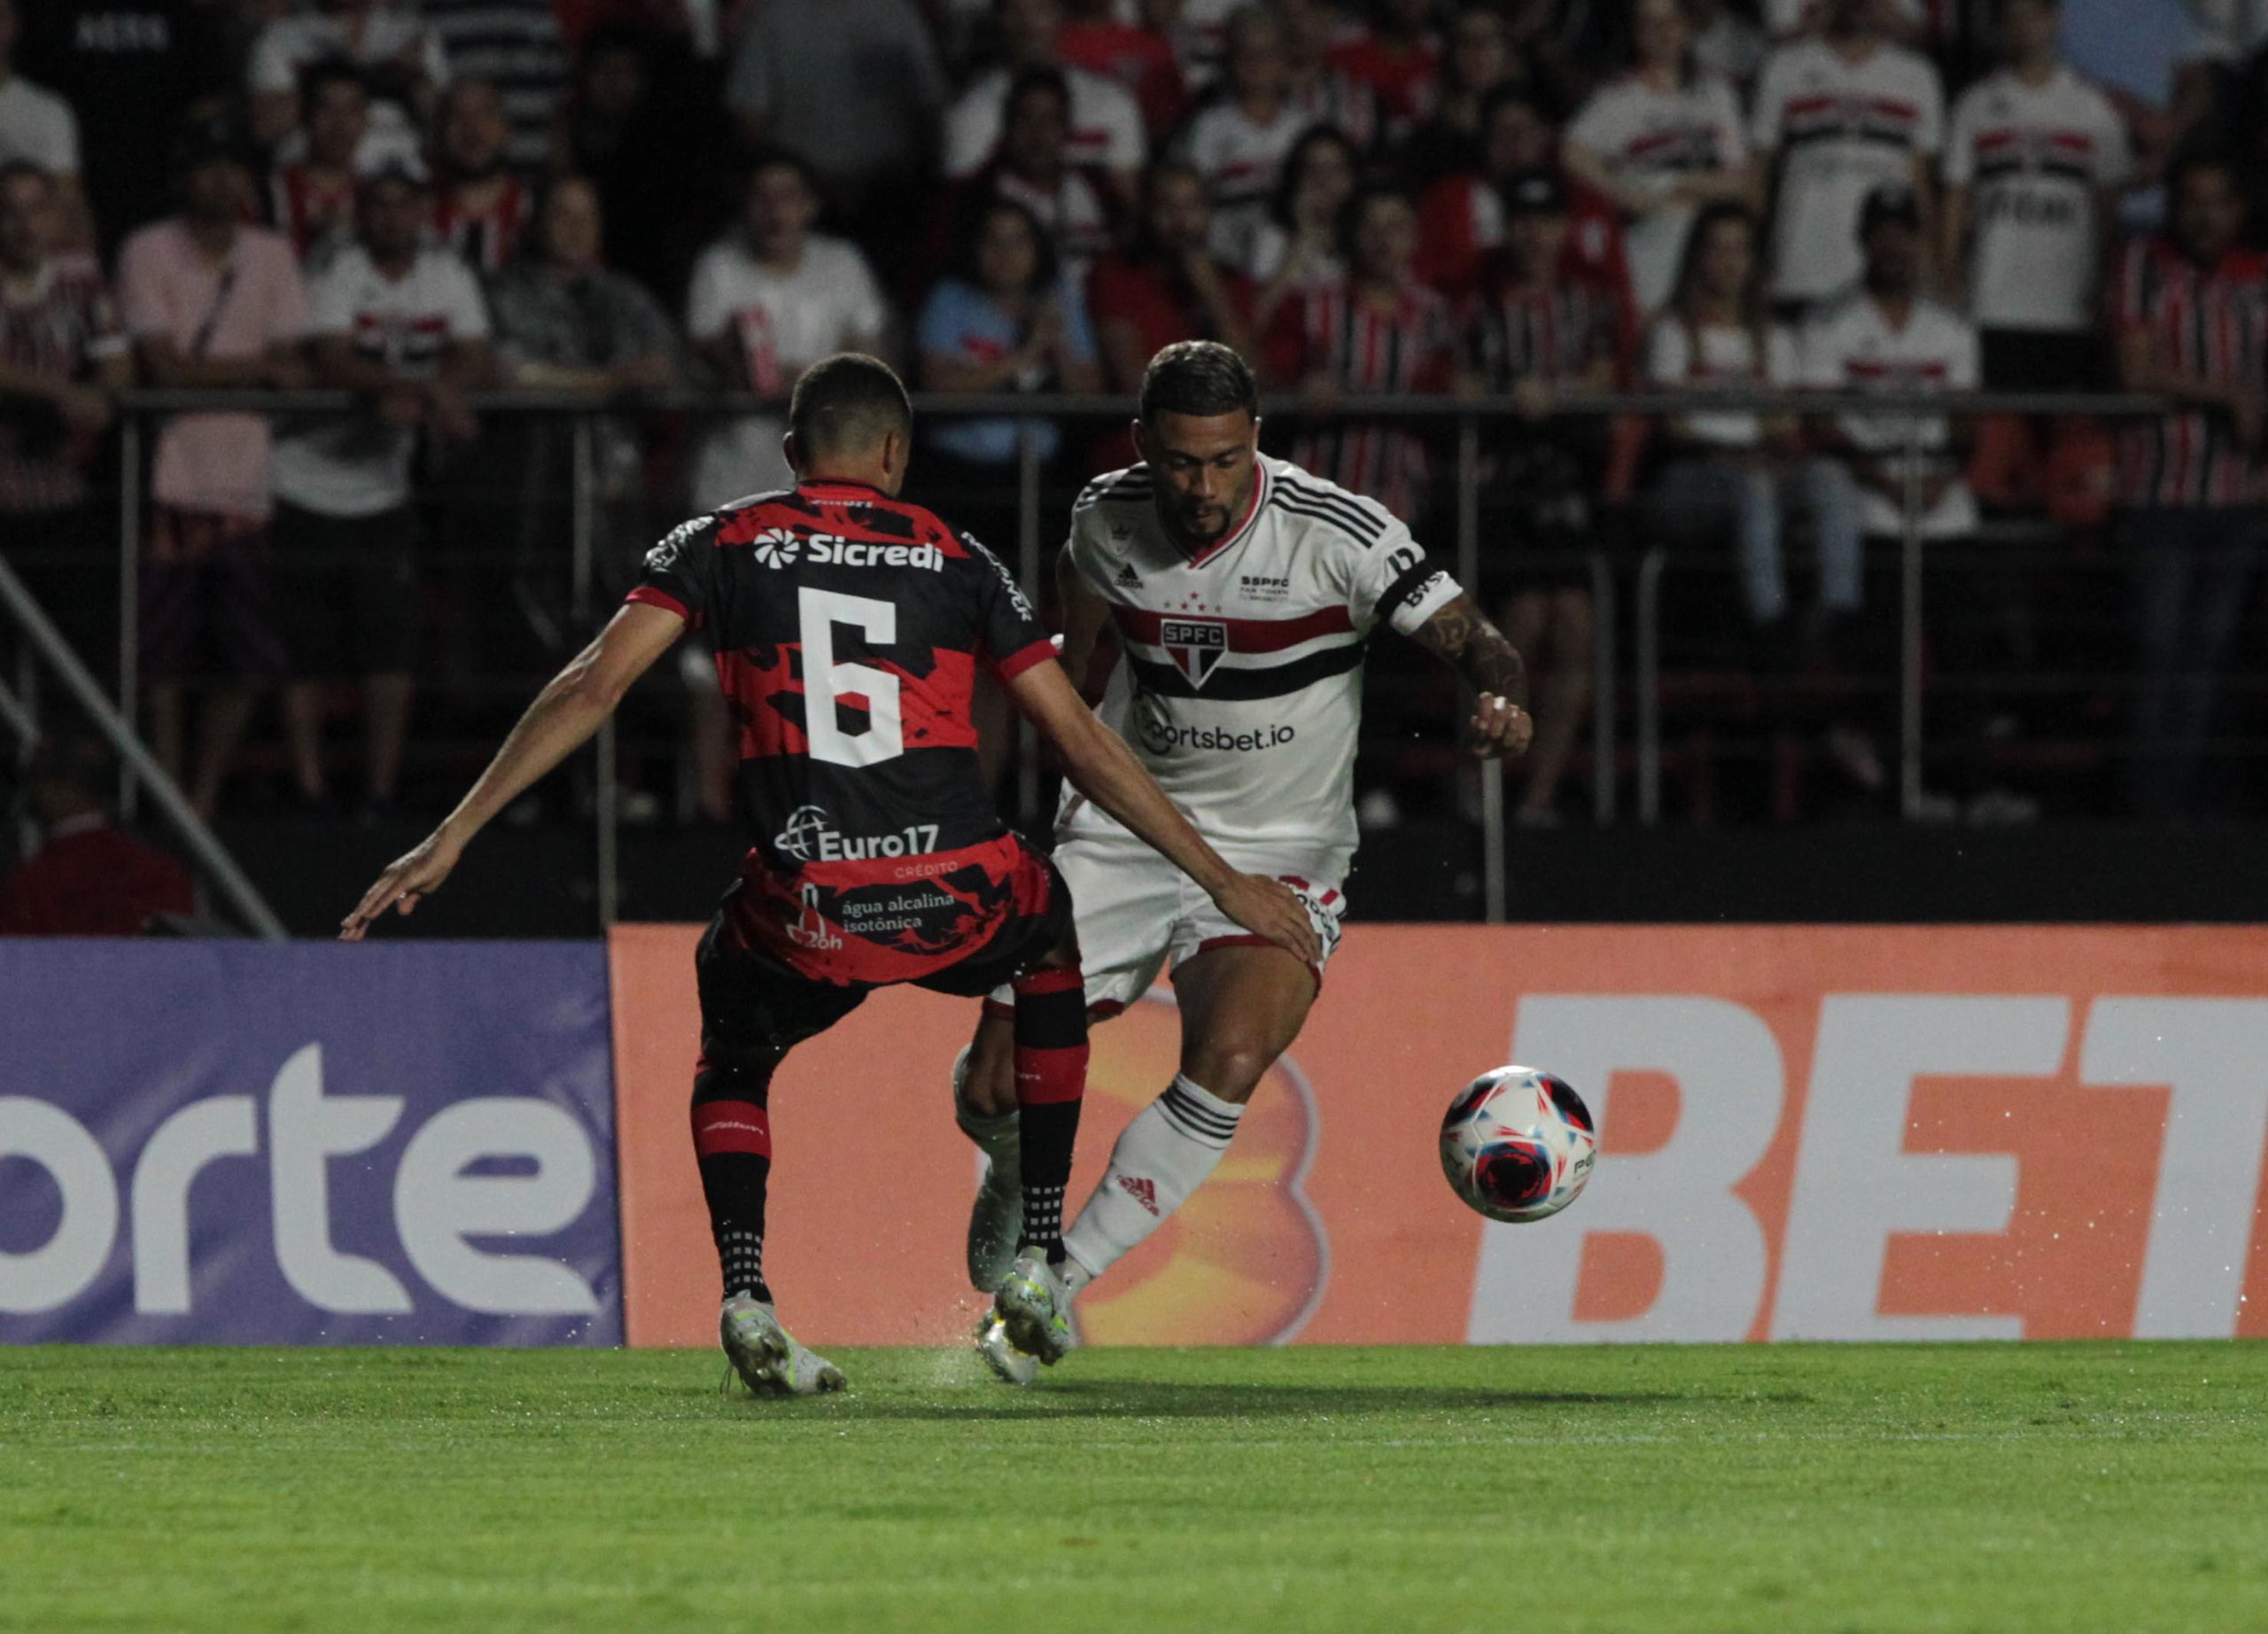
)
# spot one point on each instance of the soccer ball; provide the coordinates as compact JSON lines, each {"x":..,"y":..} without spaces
{"x":1517,"y":1144}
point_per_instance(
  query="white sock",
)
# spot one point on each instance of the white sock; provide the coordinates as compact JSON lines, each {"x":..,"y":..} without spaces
{"x":997,"y":1136}
{"x":1165,"y":1155}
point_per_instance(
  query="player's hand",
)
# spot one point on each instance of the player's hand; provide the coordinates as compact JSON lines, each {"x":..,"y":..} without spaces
{"x":407,"y":880}
{"x":1269,"y":907}
{"x":1500,"y":726}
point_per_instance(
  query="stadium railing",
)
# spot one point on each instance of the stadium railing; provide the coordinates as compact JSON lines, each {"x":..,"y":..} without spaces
{"x":1468,"y":429}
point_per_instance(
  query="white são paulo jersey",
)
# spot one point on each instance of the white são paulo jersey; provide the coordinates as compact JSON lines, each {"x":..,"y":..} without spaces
{"x":1654,"y":138}
{"x":2036,"y":159}
{"x":1851,"y":345}
{"x":1241,"y":683}
{"x":1841,"y":130}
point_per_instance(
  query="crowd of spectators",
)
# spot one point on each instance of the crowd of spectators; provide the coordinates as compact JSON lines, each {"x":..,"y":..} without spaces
{"x":415,"y":199}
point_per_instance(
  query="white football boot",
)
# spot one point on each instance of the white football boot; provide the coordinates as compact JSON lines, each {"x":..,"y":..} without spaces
{"x":768,"y":1358}
{"x":1009,"y":1365}
{"x":996,"y":1220}
{"x":1034,"y":1306}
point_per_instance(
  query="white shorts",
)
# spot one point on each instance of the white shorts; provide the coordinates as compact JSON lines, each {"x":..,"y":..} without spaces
{"x":1135,"y":910}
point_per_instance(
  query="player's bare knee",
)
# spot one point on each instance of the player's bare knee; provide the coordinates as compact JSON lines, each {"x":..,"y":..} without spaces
{"x":1230,"y":1068}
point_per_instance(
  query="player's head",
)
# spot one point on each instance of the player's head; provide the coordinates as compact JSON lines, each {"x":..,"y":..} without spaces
{"x":849,"y":418}
{"x":1200,"y":432}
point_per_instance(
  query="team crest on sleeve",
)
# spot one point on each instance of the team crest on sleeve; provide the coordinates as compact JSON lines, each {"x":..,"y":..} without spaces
{"x":1195,"y":645}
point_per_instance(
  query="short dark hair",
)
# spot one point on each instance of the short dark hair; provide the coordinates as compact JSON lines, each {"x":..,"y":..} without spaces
{"x":1199,"y":377}
{"x":848,"y":404}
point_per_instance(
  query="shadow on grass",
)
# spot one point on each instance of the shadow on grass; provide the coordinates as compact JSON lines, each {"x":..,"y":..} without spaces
{"x":1118,"y":1399}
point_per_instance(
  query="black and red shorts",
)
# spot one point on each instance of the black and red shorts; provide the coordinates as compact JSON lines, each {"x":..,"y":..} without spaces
{"x":753,"y":1003}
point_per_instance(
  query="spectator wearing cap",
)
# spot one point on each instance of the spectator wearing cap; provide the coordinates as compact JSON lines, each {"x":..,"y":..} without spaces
{"x":62,"y":356}
{"x":1238,"y":143}
{"x":1166,"y":286}
{"x":2189,"y":319}
{"x":1538,"y":330}
{"x":1887,"y":337}
{"x":1375,"y":330}
{"x":402,"y":324}
{"x":210,"y":302}
{"x":514,"y":46}
{"x":1461,"y":216}
{"x":1661,"y":141}
{"x":399,"y":57}
{"x":158,"y":58}
{"x":1106,"y":127}
{"x":311,"y":198}
{"x":856,"y":88}
{"x":480,"y":206}
{"x":38,"y":127}
{"x":1837,"y":116}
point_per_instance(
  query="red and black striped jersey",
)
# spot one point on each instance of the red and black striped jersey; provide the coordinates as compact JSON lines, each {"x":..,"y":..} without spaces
{"x":848,"y":627}
{"x":1367,"y":348}
{"x":2210,"y":323}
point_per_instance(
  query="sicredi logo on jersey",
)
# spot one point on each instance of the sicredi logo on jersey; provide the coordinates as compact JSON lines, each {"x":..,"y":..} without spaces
{"x":780,"y":547}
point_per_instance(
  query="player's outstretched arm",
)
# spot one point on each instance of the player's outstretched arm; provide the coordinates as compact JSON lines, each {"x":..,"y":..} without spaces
{"x":1462,"y":637}
{"x":571,"y":706}
{"x":1101,"y":767}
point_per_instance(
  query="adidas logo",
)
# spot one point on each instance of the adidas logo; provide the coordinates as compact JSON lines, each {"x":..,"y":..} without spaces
{"x":1128,"y":577}
{"x":1144,"y":1191}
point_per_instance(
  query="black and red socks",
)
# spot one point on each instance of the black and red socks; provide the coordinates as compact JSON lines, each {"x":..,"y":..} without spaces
{"x":1051,"y":1063}
{"x":731,"y":1141}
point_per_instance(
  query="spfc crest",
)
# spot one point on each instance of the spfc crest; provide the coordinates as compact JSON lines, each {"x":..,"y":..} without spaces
{"x":1195,"y":645}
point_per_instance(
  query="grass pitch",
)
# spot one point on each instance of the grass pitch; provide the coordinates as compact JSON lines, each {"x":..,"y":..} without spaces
{"x":1988,"y":1488}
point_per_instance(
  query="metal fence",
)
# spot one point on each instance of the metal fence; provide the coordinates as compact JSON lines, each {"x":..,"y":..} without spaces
{"x":1469,"y":430}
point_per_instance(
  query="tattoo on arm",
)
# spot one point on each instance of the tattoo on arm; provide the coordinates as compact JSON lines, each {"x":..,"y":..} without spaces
{"x":1464,"y":639}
